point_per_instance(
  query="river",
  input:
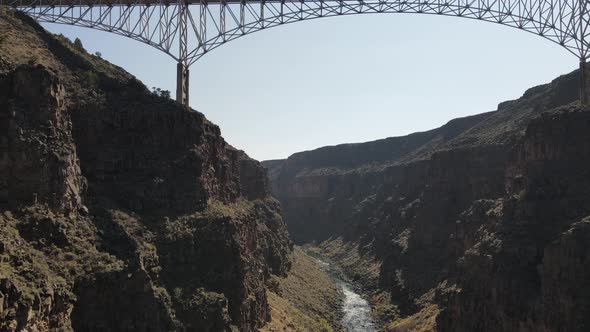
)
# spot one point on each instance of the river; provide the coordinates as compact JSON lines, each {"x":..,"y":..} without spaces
{"x":356,"y":310}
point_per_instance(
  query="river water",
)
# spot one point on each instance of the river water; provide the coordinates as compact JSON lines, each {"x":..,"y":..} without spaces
{"x":356,"y":310}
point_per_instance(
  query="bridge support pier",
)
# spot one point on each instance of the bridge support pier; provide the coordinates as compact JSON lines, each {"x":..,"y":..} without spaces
{"x":182,"y":84}
{"x":584,"y":82}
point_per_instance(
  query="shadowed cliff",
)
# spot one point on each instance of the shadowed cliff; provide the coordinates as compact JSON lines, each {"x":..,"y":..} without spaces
{"x":120,"y":210}
{"x":478,"y":225}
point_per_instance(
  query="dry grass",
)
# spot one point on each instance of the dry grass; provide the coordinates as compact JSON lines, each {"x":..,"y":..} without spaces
{"x":364,"y":270}
{"x":287,"y":317}
{"x":185,"y":225}
{"x":422,"y":321}
{"x":25,"y":42}
{"x":22,"y":45}
{"x":347,"y":255}
{"x":306,"y":300}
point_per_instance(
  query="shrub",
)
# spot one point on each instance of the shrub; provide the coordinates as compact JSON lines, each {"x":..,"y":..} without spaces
{"x":161,"y":93}
{"x":165,"y":94}
{"x":78,"y":44}
{"x":63,"y":39}
{"x":325,"y":326}
{"x":90,"y":79}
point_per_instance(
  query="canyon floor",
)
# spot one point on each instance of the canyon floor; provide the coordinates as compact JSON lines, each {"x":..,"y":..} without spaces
{"x":307,"y":299}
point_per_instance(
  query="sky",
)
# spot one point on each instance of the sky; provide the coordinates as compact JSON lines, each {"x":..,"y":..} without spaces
{"x":345,"y":79}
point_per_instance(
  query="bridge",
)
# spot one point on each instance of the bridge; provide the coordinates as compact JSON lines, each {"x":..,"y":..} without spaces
{"x":186,"y":30}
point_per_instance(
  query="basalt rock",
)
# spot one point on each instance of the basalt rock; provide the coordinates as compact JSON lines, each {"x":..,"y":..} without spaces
{"x":120,"y":209}
{"x":39,"y":162}
{"x":472,"y":218}
{"x":523,"y":262}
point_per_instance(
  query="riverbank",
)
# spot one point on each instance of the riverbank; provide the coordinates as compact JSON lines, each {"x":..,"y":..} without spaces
{"x":317,"y":295}
{"x":362,"y":269}
{"x":306,"y":300}
{"x":356,"y":310}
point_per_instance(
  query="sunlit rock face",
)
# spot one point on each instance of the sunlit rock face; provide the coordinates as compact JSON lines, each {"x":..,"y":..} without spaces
{"x":462,"y":227}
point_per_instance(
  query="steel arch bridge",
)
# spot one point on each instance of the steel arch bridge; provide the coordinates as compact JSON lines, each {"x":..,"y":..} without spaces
{"x":187,"y":29}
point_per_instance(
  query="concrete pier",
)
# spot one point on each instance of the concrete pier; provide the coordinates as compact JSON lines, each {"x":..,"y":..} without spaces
{"x":182,"y":84}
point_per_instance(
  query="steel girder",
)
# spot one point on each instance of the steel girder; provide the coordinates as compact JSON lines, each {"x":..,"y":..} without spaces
{"x":188,"y":29}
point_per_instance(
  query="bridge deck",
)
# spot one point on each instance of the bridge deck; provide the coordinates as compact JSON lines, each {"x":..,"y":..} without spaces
{"x":187,"y":33}
{"x":80,"y":3}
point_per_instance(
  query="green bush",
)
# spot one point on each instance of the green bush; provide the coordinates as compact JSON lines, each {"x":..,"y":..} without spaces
{"x":90,"y":79}
{"x":161,"y":93}
{"x":78,"y":44}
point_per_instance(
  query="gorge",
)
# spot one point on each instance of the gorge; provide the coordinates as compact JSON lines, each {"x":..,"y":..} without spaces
{"x":122,"y":211}
{"x":479,"y":225}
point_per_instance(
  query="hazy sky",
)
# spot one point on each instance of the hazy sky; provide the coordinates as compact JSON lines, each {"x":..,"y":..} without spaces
{"x":346,"y":79}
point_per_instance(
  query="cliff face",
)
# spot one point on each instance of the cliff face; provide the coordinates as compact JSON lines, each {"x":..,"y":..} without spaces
{"x":120,"y":209}
{"x":475,"y":226}
{"x":48,"y":169}
{"x":524,"y":263}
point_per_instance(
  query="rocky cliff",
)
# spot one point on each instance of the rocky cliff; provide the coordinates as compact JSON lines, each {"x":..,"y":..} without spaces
{"x":479,"y":225}
{"x":120,"y":210}
{"x":524,"y":257}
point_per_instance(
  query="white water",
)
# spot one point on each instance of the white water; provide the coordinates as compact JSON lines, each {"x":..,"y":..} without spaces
{"x":356,"y":310}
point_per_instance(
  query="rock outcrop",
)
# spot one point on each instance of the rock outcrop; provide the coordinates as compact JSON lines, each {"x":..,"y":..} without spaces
{"x":39,"y":162}
{"x":478,"y":225}
{"x":523,"y":258}
{"x":121,"y":210}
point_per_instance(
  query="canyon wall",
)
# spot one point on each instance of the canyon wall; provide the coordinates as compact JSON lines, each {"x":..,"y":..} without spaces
{"x":120,"y":209}
{"x":478,"y":225}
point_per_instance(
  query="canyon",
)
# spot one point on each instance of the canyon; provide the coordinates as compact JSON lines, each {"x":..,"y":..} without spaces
{"x":120,"y":210}
{"x":479,"y":225}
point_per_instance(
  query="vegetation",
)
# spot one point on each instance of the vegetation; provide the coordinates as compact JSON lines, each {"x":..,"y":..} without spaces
{"x":325,"y":326}
{"x":4,"y":10}
{"x":78,"y":44}
{"x":422,"y":321}
{"x":161,"y":93}
{"x":53,"y":251}
{"x":187,"y":225}
{"x":306,"y":300}
{"x":363,"y":269}
{"x":90,"y":78}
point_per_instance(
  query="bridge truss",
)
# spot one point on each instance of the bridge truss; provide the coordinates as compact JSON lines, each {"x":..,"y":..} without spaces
{"x":186,"y":30}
